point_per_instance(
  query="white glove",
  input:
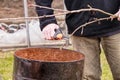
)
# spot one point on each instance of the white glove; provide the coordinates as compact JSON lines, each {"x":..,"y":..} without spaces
{"x":49,"y":31}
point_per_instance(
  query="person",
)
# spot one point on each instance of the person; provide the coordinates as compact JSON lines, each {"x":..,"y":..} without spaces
{"x":105,"y":33}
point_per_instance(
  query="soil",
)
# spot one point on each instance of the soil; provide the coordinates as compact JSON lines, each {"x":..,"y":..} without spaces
{"x":14,"y":8}
{"x":49,"y":54}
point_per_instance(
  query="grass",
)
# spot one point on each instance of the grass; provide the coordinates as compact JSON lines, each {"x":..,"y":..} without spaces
{"x":6,"y":66}
{"x":106,"y":73}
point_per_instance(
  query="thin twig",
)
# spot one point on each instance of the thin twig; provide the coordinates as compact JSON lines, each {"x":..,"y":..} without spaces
{"x":74,"y":11}
{"x":101,"y":19}
{"x":57,"y":14}
{"x":60,"y":10}
{"x":88,"y":23}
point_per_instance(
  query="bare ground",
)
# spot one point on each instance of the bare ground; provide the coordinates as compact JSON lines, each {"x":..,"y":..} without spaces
{"x":14,"y":8}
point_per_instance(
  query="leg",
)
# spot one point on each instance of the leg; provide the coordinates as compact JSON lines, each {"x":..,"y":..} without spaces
{"x":90,"y":47}
{"x":111,"y":46}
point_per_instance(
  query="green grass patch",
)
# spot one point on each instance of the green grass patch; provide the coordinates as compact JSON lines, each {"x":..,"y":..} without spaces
{"x":6,"y":65}
{"x":106,"y":73}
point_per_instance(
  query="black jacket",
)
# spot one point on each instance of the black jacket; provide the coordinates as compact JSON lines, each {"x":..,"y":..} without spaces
{"x":103,"y":28}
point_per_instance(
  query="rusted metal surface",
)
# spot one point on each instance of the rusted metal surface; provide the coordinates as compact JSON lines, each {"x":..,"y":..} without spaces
{"x":53,"y":64}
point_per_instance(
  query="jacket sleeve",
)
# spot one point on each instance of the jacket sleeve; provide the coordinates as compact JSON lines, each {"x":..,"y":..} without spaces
{"x":43,"y":11}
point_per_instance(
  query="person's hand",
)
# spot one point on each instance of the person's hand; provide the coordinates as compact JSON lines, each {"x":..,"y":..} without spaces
{"x":118,"y":15}
{"x":49,"y":31}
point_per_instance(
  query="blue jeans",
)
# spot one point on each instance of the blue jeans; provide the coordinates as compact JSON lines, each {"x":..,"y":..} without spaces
{"x":91,"y":48}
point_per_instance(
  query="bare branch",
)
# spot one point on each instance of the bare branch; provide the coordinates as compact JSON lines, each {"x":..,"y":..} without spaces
{"x":64,"y":12}
{"x":94,"y":21}
{"x":60,"y":10}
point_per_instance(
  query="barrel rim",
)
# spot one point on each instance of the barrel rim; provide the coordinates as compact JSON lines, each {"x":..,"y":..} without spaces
{"x":42,"y":61}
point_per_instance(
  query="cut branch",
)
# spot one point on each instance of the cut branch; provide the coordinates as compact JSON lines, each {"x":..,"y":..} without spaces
{"x":64,"y":12}
{"x":88,"y":23}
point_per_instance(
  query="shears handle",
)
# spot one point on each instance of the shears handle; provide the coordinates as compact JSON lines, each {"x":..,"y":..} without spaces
{"x":58,"y":34}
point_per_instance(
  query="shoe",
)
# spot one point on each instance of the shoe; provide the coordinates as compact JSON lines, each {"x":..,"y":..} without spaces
{"x":13,"y":28}
{"x":3,"y":26}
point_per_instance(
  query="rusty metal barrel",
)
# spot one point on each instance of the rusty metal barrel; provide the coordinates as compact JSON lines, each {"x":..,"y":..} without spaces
{"x":47,"y":64}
